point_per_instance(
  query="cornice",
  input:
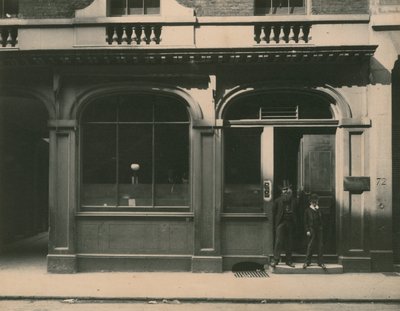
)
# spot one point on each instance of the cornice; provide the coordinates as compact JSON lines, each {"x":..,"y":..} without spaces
{"x":251,"y":55}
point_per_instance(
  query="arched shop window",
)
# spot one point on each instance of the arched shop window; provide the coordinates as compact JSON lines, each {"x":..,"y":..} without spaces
{"x":246,"y":118}
{"x":135,"y":153}
{"x":133,"y":7}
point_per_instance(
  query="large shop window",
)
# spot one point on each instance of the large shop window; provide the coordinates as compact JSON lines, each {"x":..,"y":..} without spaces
{"x":8,"y":8}
{"x":279,"y":7}
{"x":133,"y":7}
{"x":135,"y":153}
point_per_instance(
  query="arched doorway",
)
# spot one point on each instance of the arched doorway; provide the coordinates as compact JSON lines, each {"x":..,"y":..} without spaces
{"x":24,"y":159}
{"x":268,"y":137}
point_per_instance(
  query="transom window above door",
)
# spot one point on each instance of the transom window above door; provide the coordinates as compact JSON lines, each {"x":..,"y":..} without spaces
{"x":280,"y":106}
{"x":279,"y":7}
{"x":133,"y":7}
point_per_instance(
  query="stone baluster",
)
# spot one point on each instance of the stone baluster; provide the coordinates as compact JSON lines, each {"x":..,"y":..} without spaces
{"x":296,"y":31}
{"x":271,"y":33}
{"x":257,"y":33}
{"x":136,"y":33}
{"x":109,"y":34}
{"x":286,"y":33}
{"x":124,"y":36}
{"x":277,"y":32}
{"x":148,"y":30}
{"x":143,"y":38}
{"x":306,"y":31}
{"x":157,"y":34}
{"x":292,"y":37}
{"x":267,"y":33}
{"x":115,"y":34}
{"x":3,"y":37}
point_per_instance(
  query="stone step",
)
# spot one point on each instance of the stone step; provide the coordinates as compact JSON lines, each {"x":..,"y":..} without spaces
{"x":312,"y":269}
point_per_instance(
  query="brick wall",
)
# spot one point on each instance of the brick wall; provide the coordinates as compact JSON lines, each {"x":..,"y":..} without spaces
{"x":246,"y":7}
{"x":50,"y":8}
{"x":66,"y":8}
{"x":340,"y":7}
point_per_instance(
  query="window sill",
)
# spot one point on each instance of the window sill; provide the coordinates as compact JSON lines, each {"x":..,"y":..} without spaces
{"x":136,"y":214}
{"x":245,"y":215}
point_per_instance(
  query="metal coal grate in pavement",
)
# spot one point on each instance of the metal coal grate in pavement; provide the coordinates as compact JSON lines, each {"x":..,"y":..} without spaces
{"x":391,"y":273}
{"x":251,"y":274}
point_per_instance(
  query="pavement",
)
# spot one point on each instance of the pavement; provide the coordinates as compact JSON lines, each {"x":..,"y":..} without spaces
{"x":23,"y":275}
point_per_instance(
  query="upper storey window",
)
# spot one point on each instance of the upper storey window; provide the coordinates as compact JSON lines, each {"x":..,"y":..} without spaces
{"x":133,"y":7}
{"x":8,"y":8}
{"x":279,"y":7}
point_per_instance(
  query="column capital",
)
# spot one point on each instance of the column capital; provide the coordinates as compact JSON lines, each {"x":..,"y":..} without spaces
{"x":62,"y":124}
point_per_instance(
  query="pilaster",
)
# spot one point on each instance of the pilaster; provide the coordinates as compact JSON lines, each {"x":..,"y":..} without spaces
{"x":62,"y":258}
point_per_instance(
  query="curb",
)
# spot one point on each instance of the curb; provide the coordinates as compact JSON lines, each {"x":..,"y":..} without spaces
{"x":176,"y":300}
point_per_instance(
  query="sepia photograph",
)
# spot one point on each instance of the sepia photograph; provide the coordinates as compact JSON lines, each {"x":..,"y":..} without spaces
{"x":199,"y":154}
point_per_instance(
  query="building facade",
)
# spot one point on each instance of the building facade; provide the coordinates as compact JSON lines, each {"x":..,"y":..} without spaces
{"x":153,"y":135}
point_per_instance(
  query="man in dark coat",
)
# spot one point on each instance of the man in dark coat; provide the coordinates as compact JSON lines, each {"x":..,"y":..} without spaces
{"x":284,"y":211}
{"x":314,"y":230}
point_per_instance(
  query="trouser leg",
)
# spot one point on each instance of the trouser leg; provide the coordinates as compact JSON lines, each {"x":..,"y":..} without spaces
{"x":279,"y":240}
{"x":310,"y":246}
{"x":289,"y":241}
{"x":320,"y":247}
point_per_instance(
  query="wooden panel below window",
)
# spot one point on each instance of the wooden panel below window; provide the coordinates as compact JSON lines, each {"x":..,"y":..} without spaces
{"x":135,"y":237}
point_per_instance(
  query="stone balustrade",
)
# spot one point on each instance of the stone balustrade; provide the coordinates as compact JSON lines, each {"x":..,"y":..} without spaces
{"x":282,"y":33}
{"x":8,"y":36}
{"x":133,"y":34}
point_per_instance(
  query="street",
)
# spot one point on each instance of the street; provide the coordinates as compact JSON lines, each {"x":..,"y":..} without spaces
{"x":67,"y":305}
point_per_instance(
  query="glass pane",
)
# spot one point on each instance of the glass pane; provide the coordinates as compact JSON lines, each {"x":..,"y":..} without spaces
{"x":247,"y":109}
{"x":135,"y":7}
{"x":136,"y":108}
{"x":280,"y":6}
{"x":135,"y":164}
{"x":117,"y":7}
{"x":297,"y":7}
{"x":152,"y":7}
{"x":102,"y":110}
{"x":99,"y":165}
{"x":170,"y":110}
{"x":10,"y":8}
{"x":262,"y":7}
{"x":242,"y":169}
{"x":171,"y":164}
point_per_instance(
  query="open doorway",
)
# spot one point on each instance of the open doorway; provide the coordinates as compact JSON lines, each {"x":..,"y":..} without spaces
{"x":306,"y":157}
{"x":24,"y":160}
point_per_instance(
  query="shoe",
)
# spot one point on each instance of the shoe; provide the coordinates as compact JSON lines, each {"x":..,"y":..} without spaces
{"x":290,"y":264}
{"x":305,"y":265}
{"x":273,"y":264}
{"x":322,"y":266}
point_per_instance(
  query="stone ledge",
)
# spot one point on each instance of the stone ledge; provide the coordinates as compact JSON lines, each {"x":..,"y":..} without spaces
{"x":313,"y":269}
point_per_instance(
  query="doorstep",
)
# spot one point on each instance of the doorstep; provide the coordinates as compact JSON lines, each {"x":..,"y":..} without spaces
{"x":312,"y":269}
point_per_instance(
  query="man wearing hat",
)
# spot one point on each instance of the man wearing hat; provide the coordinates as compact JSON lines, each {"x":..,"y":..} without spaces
{"x":284,"y":210}
{"x":314,"y":228}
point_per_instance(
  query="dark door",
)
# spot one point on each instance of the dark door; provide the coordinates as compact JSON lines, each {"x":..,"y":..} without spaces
{"x":317,"y":175}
